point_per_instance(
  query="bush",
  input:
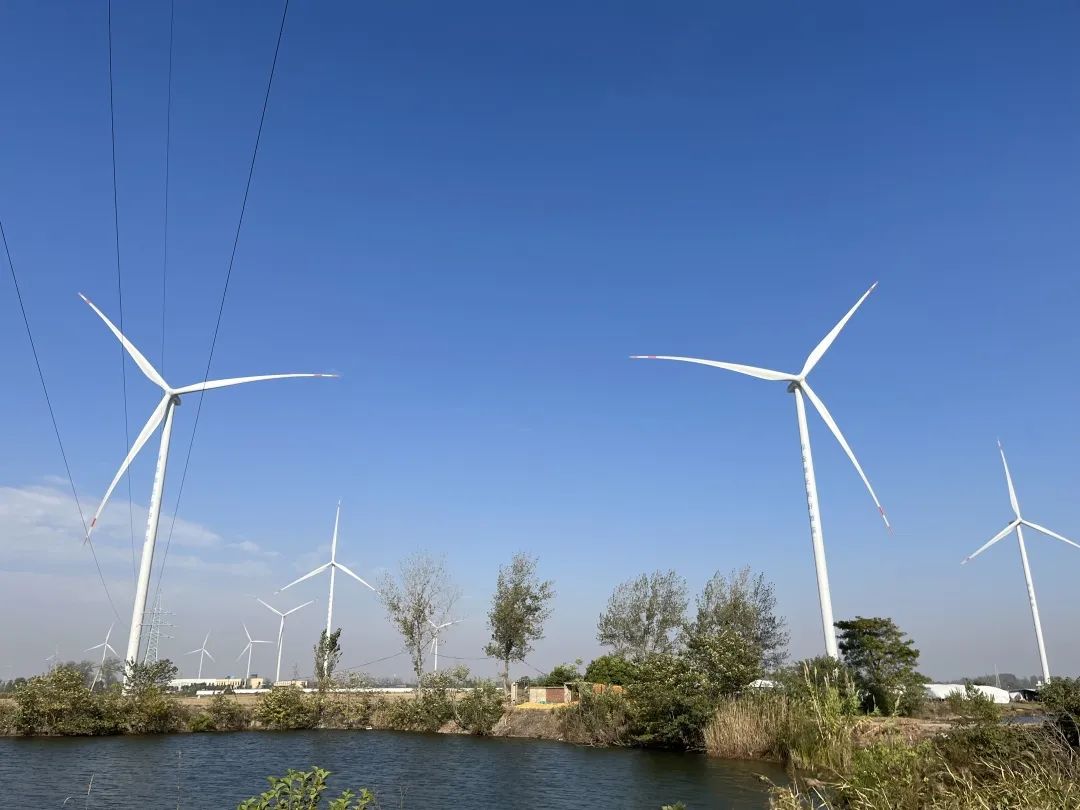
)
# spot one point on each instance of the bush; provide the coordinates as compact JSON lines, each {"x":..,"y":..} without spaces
{"x":221,"y":714}
{"x":152,"y":711}
{"x":973,"y":707}
{"x":611,"y":669}
{"x":478,"y":710}
{"x":302,"y":790}
{"x":286,"y":708}
{"x":7,"y":717}
{"x":428,"y":711}
{"x":60,"y":702}
{"x":350,"y":711}
{"x":560,"y":675}
{"x":1061,"y":697}
{"x":599,"y":717}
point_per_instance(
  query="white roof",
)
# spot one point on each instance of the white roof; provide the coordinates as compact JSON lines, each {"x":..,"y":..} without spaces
{"x":940,"y":691}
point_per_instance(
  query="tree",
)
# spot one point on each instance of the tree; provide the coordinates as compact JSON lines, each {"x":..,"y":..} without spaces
{"x":327,"y":657}
{"x":746,"y":605}
{"x":611,"y":669}
{"x":519,"y":609}
{"x":643,"y":615}
{"x":561,"y":674}
{"x":421,"y":599}
{"x":883,"y":662}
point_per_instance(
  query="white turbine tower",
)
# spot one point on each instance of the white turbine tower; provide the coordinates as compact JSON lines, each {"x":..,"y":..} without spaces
{"x":105,"y":648}
{"x":202,"y":651}
{"x":438,"y":628}
{"x":251,"y":642}
{"x":281,"y":630}
{"x":163,"y":414}
{"x":1016,"y":524}
{"x":797,"y":385}
{"x":333,"y":565}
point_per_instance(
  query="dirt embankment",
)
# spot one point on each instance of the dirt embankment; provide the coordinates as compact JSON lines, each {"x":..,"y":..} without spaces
{"x":534,"y":723}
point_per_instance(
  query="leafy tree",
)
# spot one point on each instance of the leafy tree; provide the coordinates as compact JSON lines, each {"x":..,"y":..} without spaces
{"x":561,"y":674}
{"x":883,"y":662}
{"x":745,"y":604}
{"x":286,"y":707}
{"x":421,"y":599}
{"x":611,"y":669}
{"x":327,"y":657}
{"x":1061,"y":697}
{"x":643,"y":615}
{"x":148,"y":708}
{"x":519,"y":609}
{"x":478,"y":710}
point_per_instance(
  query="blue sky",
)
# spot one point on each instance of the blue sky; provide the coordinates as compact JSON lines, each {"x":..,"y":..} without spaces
{"x":475,"y":214}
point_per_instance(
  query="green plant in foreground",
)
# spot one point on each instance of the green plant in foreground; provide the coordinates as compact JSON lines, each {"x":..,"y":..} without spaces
{"x":303,"y":790}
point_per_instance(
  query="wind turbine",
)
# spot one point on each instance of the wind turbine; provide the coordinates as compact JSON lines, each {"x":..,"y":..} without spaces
{"x":163,"y":414}
{"x":281,"y":630}
{"x":333,"y":565}
{"x":52,"y":659}
{"x":105,"y":648}
{"x":248,"y":649}
{"x":797,"y":385}
{"x":202,"y":651}
{"x":1016,"y":524}
{"x":438,"y":628}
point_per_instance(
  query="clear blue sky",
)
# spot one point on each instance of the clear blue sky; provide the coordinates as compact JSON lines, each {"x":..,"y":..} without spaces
{"x":475,"y":214}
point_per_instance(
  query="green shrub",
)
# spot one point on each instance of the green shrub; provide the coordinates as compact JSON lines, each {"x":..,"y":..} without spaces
{"x":973,"y":708}
{"x":303,"y":790}
{"x":611,"y":669}
{"x":8,"y":711}
{"x":350,"y":711}
{"x":221,"y":714}
{"x":596,"y":718}
{"x":286,"y":708}
{"x":1061,"y":697}
{"x":428,"y":711}
{"x":60,"y":702}
{"x":478,"y":710}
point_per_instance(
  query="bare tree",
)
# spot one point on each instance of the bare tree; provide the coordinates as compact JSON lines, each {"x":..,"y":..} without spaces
{"x":420,"y":597}
{"x":746,"y":604}
{"x":519,"y":609}
{"x":644,"y":614}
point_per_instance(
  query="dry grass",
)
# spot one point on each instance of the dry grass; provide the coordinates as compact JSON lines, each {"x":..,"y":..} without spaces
{"x":751,"y":727}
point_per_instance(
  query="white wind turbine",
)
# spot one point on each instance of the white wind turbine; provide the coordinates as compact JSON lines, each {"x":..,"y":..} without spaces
{"x":1016,"y":524}
{"x":438,"y":628}
{"x":202,"y":651}
{"x":105,"y":648}
{"x":333,"y":565}
{"x":251,"y":642}
{"x":163,"y":413}
{"x":281,"y":630}
{"x":797,"y":385}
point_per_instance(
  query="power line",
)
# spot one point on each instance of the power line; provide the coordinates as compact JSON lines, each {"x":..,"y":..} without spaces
{"x":168,"y":144}
{"x":52,"y":416}
{"x":377,"y":660}
{"x":225,"y":289}
{"x":120,"y":292}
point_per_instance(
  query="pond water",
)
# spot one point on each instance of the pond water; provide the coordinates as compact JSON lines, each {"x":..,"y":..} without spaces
{"x":409,"y":771}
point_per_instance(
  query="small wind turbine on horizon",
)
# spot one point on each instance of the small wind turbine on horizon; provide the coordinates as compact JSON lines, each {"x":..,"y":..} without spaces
{"x":202,"y":651}
{"x":251,"y":642}
{"x":281,"y":629}
{"x":438,"y":628}
{"x":105,"y":648}
{"x":52,"y":659}
{"x":797,"y":385}
{"x":334,"y":566}
{"x":162,"y":414}
{"x":1016,"y":524}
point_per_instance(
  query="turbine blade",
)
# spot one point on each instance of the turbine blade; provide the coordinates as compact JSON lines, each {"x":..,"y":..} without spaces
{"x":309,"y":602}
{"x":208,"y":655}
{"x":206,"y":386}
{"x":246,"y":633}
{"x":354,"y":576}
{"x":95,"y":647}
{"x":194,"y":651}
{"x":1049,"y":533}
{"x":241,"y":655}
{"x":110,"y":649}
{"x":827,"y":418}
{"x":261,"y":602}
{"x":1003,"y":533}
{"x":436,"y":626}
{"x":827,"y":341}
{"x":308,"y":575}
{"x":136,"y":355}
{"x":333,"y":541}
{"x":144,"y":436}
{"x":752,"y":371}
{"x":1008,"y":480}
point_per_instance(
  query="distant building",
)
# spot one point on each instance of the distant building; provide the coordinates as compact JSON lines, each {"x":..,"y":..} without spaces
{"x":214,"y":683}
{"x":940,"y":691}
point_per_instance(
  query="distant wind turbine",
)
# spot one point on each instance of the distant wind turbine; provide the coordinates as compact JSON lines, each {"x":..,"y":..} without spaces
{"x":1016,"y":524}
{"x":438,"y":628}
{"x":105,"y":648}
{"x":202,"y":651}
{"x":281,"y":630}
{"x":334,"y":566}
{"x":797,"y":385}
{"x":52,"y":659}
{"x":251,"y":642}
{"x":163,"y":413}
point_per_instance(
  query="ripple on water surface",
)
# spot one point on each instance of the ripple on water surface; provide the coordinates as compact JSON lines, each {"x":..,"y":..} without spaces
{"x":411,"y":771}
